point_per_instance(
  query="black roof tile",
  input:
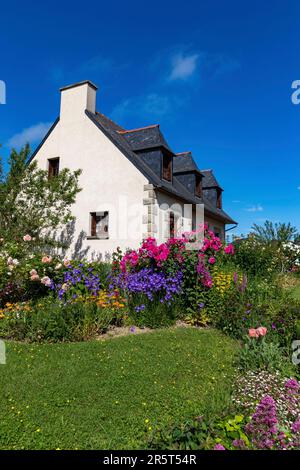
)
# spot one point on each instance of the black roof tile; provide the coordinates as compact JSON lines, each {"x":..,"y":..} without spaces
{"x":152,"y":135}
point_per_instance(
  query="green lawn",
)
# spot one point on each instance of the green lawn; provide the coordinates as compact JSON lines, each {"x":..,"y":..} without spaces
{"x":107,"y":394}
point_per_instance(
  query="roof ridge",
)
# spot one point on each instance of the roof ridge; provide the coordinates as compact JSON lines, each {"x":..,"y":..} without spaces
{"x":138,"y":129}
{"x":108,"y":118}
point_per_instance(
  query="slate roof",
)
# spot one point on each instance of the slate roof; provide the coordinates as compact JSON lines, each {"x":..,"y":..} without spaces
{"x":209,"y":180}
{"x":145,"y":138}
{"x":184,"y":162}
{"x":132,"y":141}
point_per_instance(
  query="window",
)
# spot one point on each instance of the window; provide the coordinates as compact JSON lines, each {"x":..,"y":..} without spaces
{"x":167,"y":167}
{"x":99,"y":225}
{"x":53,"y":167}
{"x":198,"y":186}
{"x":172,"y":225}
{"x":219,"y":199}
{"x":217,"y":231}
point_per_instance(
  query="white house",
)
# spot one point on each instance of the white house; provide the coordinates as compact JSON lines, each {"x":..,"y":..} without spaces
{"x":133,"y":184}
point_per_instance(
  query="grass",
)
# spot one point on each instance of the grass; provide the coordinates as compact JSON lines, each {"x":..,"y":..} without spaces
{"x":296,"y":292}
{"x":110,"y":394}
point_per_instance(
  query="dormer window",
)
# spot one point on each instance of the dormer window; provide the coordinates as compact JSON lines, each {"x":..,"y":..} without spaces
{"x":198,"y":186}
{"x":53,"y":167}
{"x":219,"y":199}
{"x":167,"y":167}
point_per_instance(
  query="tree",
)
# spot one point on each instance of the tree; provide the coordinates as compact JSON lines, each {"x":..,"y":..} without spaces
{"x":31,"y":202}
{"x":278,"y":232}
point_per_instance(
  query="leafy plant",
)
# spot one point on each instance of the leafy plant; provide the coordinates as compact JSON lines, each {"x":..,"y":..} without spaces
{"x":31,"y":203}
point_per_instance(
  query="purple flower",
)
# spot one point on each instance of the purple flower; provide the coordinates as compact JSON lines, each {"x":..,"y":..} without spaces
{"x":219,"y":447}
{"x":239,"y":443}
{"x":292,"y":386}
{"x":150,"y":284}
{"x":296,"y":426}
{"x":263,"y":425}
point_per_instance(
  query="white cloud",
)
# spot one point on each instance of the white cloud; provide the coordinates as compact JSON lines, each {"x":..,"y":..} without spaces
{"x":31,"y":134}
{"x":257,"y":208}
{"x":150,"y":106}
{"x":183,"y":67}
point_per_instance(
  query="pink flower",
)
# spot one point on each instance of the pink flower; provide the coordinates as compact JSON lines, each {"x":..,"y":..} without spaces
{"x":33,"y":272}
{"x":27,"y":238}
{"x":253,"y":333}
{"x":262,"y":331}
{"x":34,"y":277}
{"x":212,"y":260}
{"x":46,"y":281}
{"x":67,"y":263}
{"x":229,"y":249}
{"x":46,"y":259}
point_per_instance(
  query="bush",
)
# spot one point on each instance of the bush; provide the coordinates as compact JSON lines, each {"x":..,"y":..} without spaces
{"x":151,"y":313}
{"x":258,"y":353}
{"x":258,"y":258}
{"x":55,"y":321}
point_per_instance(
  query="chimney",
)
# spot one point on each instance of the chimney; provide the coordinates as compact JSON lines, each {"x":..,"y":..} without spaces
{"x":75,"y":99}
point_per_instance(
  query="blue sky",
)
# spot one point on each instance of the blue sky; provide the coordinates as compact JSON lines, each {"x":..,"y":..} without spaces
{"x":216,"y":75}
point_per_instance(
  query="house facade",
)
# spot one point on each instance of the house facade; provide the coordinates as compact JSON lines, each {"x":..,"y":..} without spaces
{"x":133,"y":184}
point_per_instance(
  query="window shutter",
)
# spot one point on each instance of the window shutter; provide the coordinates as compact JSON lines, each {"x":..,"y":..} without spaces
{"x":93,"y":225}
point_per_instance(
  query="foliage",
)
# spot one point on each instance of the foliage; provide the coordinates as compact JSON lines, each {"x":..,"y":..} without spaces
{"x":258,"y":353}
{"x":55,"y":321}
{"x":258,"y":259}
{"x":31,"y":203}
{"x":278,"y":232}
{"x":270,"y":249}
{"x":25,"y":272}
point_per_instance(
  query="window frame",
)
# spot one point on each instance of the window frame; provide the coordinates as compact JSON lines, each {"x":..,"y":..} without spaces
{"x":94,"y":235}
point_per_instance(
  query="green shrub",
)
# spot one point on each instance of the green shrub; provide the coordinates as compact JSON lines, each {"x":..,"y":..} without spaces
{"x":259,"y":353}
{"x":257,"y":258}
{"x":57,"y":321}
{"x":152,"y":313}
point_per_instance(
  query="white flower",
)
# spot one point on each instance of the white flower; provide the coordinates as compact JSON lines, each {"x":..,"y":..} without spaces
{"x":46,"y":281}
